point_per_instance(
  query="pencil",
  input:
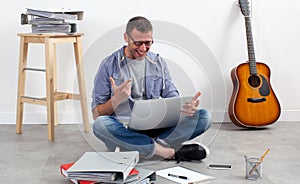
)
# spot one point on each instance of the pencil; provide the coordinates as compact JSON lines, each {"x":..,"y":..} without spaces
{"x":259,"y":161}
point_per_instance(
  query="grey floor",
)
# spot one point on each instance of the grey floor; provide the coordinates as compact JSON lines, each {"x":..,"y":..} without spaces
{"x":31,"y":158}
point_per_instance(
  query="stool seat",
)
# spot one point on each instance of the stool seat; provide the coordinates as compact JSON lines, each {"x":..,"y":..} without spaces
{"x":52,"y":95}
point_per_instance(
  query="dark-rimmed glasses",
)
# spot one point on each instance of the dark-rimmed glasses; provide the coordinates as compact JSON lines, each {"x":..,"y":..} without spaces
{"x":140,"y":43}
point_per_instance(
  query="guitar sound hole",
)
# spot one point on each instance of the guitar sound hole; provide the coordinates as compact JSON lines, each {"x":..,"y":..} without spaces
{"x":254,"y":81}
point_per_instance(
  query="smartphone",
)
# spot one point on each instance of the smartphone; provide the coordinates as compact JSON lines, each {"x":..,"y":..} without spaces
{"x":219,"y":166}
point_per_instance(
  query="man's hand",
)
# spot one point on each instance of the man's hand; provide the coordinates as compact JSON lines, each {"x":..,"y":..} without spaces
{"x":121,"y":92}
{"x":189,"y":108}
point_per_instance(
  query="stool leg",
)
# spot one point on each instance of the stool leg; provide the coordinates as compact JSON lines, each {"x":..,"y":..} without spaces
{"x":54,"y":82}
{"x":21,"y":83}
{"x":49,"y":48}
{"x":81,"y":83}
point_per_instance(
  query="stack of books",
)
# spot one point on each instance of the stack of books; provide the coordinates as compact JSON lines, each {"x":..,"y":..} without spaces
{"x":52,"y":21}
{"x":107,"y":167}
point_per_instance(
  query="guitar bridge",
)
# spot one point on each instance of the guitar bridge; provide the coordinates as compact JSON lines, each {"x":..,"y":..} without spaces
{"x":256,"y":100}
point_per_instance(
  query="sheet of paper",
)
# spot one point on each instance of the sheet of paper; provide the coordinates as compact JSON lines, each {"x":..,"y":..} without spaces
{"x":183,"y":175}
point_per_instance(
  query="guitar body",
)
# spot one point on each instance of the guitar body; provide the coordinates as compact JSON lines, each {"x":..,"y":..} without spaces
{"x":253,"y":102}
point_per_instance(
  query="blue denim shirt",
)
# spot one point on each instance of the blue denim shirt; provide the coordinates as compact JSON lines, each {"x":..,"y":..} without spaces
{"x":158,"y":82}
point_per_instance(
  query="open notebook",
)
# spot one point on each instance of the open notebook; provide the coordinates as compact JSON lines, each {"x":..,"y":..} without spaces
{"x":183,"y":175}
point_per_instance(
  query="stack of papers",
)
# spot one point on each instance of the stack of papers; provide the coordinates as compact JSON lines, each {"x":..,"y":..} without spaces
{"x":52,"y":21}
{"x":137,"y":175}
{"x":60,"y":14}
{"x":97,"y":176}
{"x":109,"y":167}
{"x":51,"y":28}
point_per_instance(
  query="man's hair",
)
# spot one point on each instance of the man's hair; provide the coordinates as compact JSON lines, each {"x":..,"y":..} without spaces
{"x":140,"y":23}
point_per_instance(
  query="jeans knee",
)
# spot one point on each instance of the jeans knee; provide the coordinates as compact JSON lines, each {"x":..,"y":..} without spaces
{"x":98,"y":126}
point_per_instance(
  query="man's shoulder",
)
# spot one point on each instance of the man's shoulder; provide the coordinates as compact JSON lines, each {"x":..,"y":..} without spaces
{"x":115,"y":57}
{"x":156,"y":58}
{"x":153,"y":55}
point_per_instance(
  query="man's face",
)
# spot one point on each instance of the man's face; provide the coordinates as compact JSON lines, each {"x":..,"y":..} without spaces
{"x":138,"y":44}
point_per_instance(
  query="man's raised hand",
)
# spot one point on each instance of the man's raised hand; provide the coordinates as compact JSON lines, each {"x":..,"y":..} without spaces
{"x":190,"y":108}
{"x":121,"y":92}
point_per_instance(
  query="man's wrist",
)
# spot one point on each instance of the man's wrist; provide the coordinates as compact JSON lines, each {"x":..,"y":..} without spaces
{"x":114,"y":102}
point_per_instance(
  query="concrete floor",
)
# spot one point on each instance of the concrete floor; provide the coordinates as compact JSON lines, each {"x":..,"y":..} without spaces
{"x":31,"y":158}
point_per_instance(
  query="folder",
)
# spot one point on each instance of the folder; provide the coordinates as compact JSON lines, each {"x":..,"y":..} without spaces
{"x":145,"y":176}
{"x":109,"y":167}
{"x":133,"y":178}
{"x":57,"y":13}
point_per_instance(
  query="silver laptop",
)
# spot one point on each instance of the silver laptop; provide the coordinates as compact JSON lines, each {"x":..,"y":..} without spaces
{"x":157,"y":113}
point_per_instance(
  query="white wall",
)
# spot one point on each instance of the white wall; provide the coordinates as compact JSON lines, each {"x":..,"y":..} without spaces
{"x":216,"y":27}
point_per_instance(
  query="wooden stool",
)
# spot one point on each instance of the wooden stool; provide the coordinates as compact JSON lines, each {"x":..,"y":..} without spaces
{"x":52,"y":95}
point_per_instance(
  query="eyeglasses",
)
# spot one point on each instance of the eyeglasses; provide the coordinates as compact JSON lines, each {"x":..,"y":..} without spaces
{"x":140,"y":43}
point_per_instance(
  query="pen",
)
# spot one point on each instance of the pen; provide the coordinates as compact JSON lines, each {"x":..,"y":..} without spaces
{"x":259,"y":161}
{"x":178,"y":176}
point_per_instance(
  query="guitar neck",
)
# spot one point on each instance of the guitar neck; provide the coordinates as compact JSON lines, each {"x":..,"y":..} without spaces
{"x":250,"y":46}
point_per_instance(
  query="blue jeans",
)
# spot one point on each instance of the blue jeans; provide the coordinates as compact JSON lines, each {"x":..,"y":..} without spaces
{"x":114,"y":134}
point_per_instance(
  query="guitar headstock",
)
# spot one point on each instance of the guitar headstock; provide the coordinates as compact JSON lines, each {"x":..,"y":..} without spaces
{"x":244,"y":6}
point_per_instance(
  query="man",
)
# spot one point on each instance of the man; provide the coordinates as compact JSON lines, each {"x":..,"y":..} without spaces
{"x":134,"y":72}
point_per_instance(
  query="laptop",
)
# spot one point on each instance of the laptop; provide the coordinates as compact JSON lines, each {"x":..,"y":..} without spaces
{"x":157,"y":113}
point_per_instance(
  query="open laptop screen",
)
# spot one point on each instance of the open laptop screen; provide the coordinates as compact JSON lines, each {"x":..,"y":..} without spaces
{"x":157,"y":113}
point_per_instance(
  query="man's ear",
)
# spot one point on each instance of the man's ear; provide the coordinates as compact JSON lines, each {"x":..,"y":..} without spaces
{"x":126,"y":38}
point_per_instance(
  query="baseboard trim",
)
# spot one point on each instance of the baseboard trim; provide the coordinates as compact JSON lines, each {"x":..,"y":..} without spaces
{"x":286,"y":115}
{"x":75,"y":118}
{"x":41,"y":118}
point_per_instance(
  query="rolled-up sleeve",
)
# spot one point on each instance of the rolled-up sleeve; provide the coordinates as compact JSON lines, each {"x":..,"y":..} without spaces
{"x":102,"y":87}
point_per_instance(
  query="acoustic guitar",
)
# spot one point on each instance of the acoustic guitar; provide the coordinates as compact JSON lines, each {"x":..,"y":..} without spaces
{"x":253,"y":102}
